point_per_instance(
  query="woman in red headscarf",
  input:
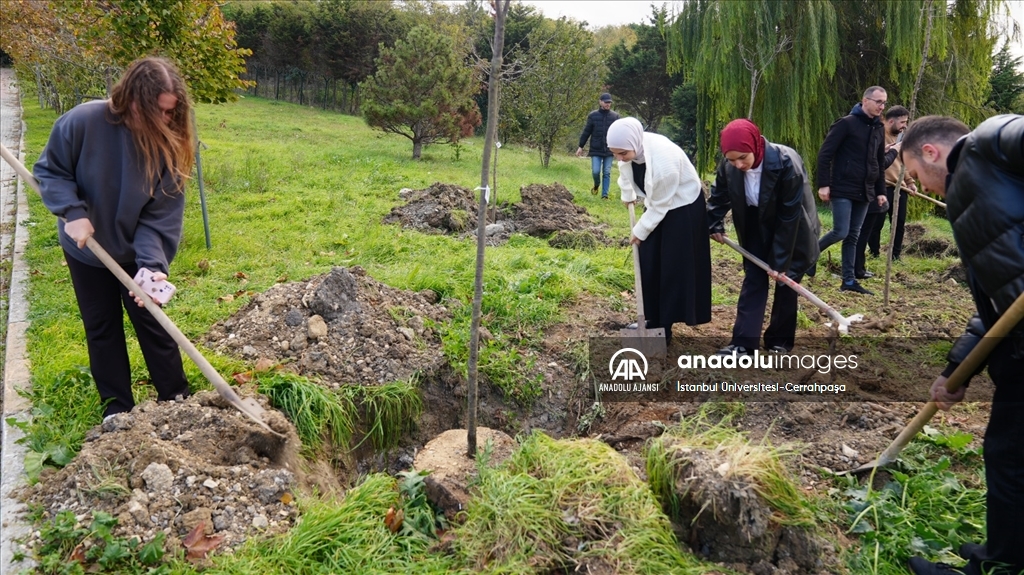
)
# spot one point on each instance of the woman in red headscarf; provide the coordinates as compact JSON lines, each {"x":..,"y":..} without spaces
{"x":767,"y":188}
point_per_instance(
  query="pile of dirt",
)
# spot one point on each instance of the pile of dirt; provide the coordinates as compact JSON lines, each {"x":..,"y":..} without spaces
{"x":544,"y":212}
{"x":343,"y":327}
{"x":167,"y":467}
{"x":440,"y":209}
{"x":724,"y":519}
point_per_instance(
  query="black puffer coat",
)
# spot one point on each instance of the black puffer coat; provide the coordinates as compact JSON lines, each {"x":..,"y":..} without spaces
{"x":785,"y":208}
{"x":851,"y":160}
{"x":985,"y":204}
{"x":597,"y":131}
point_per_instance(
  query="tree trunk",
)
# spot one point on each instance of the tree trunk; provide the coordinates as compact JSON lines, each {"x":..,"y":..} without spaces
{"x":493,"y":81}
{"x":417,"y":148}
{"x":924,"y":58}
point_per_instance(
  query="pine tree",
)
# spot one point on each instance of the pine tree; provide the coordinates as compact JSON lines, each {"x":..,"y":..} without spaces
{"x":422,"y":90}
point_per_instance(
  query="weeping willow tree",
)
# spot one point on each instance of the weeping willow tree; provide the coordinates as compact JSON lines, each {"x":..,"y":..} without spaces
{"x":940,"y":54}
{"x":763,"y":59}
{"x":794,"y":67}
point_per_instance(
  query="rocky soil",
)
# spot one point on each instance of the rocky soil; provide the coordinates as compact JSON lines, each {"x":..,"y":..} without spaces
{"x":172,"y":466}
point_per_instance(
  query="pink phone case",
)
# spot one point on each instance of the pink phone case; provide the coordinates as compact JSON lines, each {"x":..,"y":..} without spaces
{"x":160,"y":291}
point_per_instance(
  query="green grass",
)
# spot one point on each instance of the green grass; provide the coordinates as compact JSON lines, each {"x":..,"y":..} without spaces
{"x":292,"y":192}
{"x":934,"y":502}
{"x":760,"y":464}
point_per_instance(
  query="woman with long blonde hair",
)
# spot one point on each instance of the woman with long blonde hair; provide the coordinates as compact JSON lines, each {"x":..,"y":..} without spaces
{"x":116,"y":170}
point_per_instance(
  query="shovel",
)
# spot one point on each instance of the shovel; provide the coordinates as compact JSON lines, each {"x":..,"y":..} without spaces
{"x":649,"y":341}
{"x":247,"y":406}
{"x":843,"y":323}
{"x":993,"y":337}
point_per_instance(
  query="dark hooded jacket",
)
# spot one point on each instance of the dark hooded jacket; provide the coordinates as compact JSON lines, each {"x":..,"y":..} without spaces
{"x":852,"y":160}
{"x":985,"y":205}
{"x":786,"y":212}
{"x":596,"y":130}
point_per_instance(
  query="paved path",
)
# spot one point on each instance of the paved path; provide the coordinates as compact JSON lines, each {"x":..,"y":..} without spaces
{"x":13,"y":237}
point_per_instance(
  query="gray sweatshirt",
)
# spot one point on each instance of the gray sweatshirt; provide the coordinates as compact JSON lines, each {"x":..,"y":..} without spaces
{"x":90,"y":169}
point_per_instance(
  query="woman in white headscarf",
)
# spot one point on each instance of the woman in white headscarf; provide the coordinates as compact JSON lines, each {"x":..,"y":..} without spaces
{"x":675,"y":250}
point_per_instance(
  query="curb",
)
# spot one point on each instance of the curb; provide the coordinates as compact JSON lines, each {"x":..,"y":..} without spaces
{"x":16,"y":375}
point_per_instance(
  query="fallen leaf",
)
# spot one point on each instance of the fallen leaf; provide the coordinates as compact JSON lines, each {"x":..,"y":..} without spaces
{"x":242,"y":292}
{"x":201,"y":548}
{"x":193,"y":536}
{"x":78,"y":554}
{"x":242,"y":275}
{"x":282,"y":279}
{"x":393,"y":519}
{"x":287,"y":498}
{"x":242,"y":378}
{"x":264,"y":364}
{"x":226,"y":298}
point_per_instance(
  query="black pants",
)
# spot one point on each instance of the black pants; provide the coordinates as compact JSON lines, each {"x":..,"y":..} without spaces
{"x":754,"y":298}
{"x":901,"y":220}
{"x":100,"y":298}
{"x":870,"y":231}
{"x":1004,"y":463}
{"x":874,"y":231}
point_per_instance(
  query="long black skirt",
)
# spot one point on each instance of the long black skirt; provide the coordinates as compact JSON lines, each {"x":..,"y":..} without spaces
{"x":675,"y":268}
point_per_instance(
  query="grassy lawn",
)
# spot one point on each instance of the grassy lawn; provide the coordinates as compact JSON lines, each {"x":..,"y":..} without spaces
{"x":293,"y":191}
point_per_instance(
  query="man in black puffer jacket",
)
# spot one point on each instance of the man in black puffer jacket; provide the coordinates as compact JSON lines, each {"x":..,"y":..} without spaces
{"x":851,"y":174}
{"x":981,"y":174}
{"x":596,"y":131}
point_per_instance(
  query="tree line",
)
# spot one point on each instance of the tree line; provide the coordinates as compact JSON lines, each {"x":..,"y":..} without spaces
{"x":419,"y":67}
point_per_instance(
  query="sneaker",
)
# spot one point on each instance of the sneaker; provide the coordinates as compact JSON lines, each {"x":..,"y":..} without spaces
{"x":864,"y":275}
{"x":738,"y":349}
{"x":855,"y":287}
{"x":777,"y":349}
{"x":920,"y":566}
{"x":593,"y":190}
{"x":604,"y":197}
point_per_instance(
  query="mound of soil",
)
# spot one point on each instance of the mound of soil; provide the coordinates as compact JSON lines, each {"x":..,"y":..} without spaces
{"x":343,"y":326}
{"x":725,"y":520}
{"x":170,"y":466}
{"x":441,"y":208}
{"x":545,"y":212}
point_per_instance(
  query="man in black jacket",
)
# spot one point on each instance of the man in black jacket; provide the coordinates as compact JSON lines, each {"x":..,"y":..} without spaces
{"x":851,"y":174}
{"x":596,"y":131}
{"x":767,"y":188}
{"x":981,"y":175}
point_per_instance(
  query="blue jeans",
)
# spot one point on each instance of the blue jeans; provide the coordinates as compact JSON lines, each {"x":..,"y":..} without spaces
{"x":847,"y":219}
{"x":602,"y":166}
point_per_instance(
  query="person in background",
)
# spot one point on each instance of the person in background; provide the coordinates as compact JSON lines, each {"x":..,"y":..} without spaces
{"x":981,"y":175}
{"x":851,"y":175}
{"x":896,"y":120}
{"x":596,"y":131}
{"x":675,"y":250}
{"x":767,"y":188}
{"x":116,"y":170}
